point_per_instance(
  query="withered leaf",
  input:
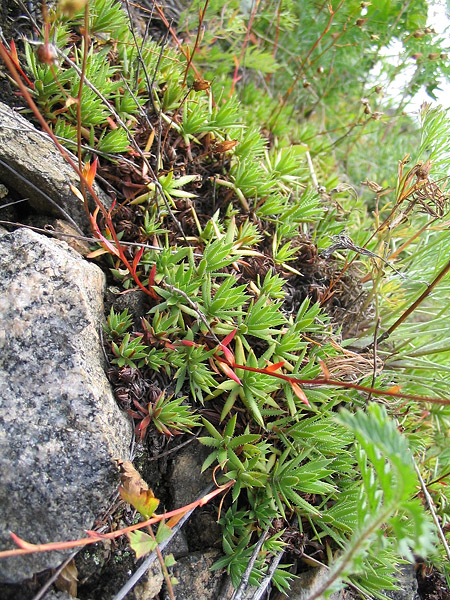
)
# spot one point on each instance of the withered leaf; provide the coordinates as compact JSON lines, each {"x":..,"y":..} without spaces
{"x":225,"y":146}
{"x":201,"y":84}
{"x":68,"y":579}
{"x":135,"y":491}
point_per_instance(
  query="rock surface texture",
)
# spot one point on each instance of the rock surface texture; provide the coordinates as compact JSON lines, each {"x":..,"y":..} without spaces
{"x":60,"y":427}
{"x":33,"y":166}
{"x":308,"y":583}
{"x":195,"y":578}
{"x":407,"y":583}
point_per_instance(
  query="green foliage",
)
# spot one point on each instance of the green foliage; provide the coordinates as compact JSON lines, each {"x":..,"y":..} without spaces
{"x":192,"y":362}
{"x":130,"y":352}
{"x":113,"y":142}
{"x":112,"y":55}
{"x":117,"y":323}
{"x":388,"y":477}
{"x":169,"y":415}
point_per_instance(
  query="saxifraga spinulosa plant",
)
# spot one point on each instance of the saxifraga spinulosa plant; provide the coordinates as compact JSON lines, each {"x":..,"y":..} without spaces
{"x":224,"y":202}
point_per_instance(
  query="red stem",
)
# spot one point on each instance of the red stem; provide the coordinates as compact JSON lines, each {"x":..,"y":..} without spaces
{"x":94,"y":537}
{"x":200,"y":23}
{"x":26,"y":94}
{"x":344,"y":384}
{"x":244,"y":46}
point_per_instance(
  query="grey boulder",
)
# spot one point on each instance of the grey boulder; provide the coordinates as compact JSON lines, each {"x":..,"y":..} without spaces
{"x":60,"y":427}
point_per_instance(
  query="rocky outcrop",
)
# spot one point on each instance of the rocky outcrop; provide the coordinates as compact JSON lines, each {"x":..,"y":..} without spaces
{"x":30,"y":163}
{"x":60,"y":427}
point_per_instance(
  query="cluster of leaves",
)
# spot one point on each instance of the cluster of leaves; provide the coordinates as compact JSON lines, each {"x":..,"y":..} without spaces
{"x":114,"y":65}
{"x":219,"y":323}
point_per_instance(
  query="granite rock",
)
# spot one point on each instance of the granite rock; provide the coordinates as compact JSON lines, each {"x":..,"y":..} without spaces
{"x":307,"y":583}
{"x":60,"y":427}
{"x":31,"y":164}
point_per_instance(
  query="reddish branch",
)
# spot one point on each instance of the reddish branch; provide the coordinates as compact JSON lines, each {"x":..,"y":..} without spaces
{"x":238,"y":61}
{"x":344,"y":384}
{"x":94,"y":537}
{"x":117,"y":249}
{"x":201,"y":17}
{"x":305,"y":60}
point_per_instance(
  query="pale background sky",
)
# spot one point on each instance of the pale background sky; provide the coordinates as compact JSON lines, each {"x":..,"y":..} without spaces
{"x":438,"y":19}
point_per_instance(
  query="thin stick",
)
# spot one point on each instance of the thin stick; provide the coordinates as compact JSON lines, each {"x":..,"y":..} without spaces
{"x":13,"y":203}
{"x":43,"y":194}
{"x":54,"y":577}
{"x":264,"y":584}
{"x":141,"y":58}
{"x":195,"y":306}
{"x":312,"y":172}
{"x":415,"y":304}
{"x":246,"y":575}
{"x":140,"y":572}
{"x":430,"y":503}
{"x":375,"y":335}
{"x":172,"y":450}
{"x":139,"y":107}
{"x":109,"y":107}
{"x":84,"y":238}
{"x":79,"y":95}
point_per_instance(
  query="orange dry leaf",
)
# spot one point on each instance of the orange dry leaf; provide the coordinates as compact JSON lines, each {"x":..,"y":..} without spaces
{"x":174,"y":520}
{"x":201,"y":84}
{"x":221,"y":147}
{"x":394,"y":389}
{"x":135,"y":491}
{"x":13,"y":53}
{"x":89,"y":171}
{"x":324,"y":368}
{"x":273,"y":368}
{"x":299,"y":393}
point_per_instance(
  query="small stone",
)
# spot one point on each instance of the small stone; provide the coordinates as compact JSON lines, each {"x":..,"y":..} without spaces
{"x":195,"y":579}
{"x":308,"y":582}
{"x":406,"y":581}
{"x":202,"y":529}
{"x":149,"y":585}
{"x":189,"y":460}
{"x":178,"y":545}
{"x":136,"y":301}
{"x":67,"y":233}
{"x":52,"y":595}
